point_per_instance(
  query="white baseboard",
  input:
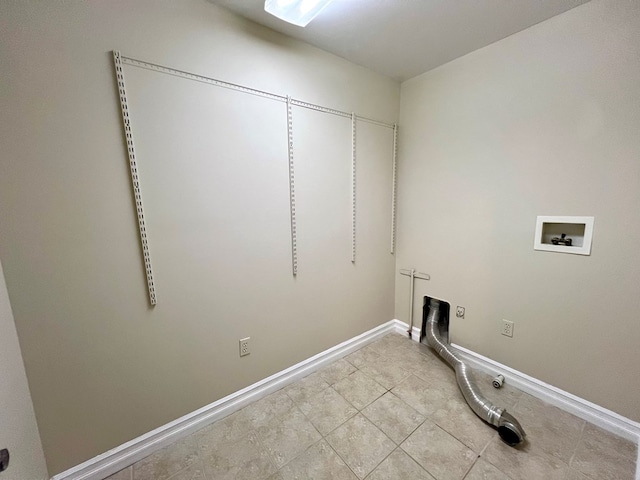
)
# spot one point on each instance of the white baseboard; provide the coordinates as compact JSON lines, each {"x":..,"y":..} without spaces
{"x":403,"y":328}
{"x":595,"y":414}
{"x":579,"y":407}
{"x":127,"y":454}
{"x":600,"y":416}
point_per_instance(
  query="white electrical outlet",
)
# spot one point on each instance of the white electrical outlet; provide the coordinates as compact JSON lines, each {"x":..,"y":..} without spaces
{"x":459,"y":311}
{"x":244,"y":346}
{"x":507,"y":328}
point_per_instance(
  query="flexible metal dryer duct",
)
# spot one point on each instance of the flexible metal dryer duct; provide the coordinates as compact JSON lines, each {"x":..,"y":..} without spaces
{"x":509,"y":428}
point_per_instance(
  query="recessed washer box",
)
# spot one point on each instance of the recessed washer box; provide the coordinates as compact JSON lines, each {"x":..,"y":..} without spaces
{"x":550,"y":230}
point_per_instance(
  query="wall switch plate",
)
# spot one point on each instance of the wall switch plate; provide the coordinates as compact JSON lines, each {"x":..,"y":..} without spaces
{"x":459,"y":311}
{"x":244,"y":346}
{"x":507,"y":328}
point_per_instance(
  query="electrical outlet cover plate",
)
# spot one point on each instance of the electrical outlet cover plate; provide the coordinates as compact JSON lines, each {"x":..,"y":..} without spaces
{"x":244,"y":346}
{"x":507,"y":328}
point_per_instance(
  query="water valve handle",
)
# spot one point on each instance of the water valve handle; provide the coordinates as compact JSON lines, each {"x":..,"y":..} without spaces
{"x":4,"y":459}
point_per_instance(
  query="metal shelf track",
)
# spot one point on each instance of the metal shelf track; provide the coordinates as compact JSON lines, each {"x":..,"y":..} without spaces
{"x":135,"y":180}
{"x":241,"y":88}
{"x":292,"y":192}
{"x":120,"y":60}
{"x":353,"y":187}
{"x":394,"y":189}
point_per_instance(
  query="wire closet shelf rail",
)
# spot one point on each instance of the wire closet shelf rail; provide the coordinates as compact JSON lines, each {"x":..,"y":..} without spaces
{"x":120,"y":60}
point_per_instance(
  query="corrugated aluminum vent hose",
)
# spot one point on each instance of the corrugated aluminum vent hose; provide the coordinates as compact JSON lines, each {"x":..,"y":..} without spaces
{"x":509,"y":429}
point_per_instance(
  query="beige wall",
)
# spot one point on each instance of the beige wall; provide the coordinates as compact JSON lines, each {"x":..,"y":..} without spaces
{"x":103,"y":366}
{"x":18,"y":428}
{"x":544,"y":122}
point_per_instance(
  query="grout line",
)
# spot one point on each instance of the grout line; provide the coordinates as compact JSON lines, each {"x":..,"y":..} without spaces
{"x":270,"y":455}
{"x":584,"y":426}
{"x":324,"y":436}
{"x":470,"y":467}
{"x":203,"y":466}
{"x":382,"y":461}
{"x":484,"y":449}
{"x":340,"y":457}
{"x":295,"y":457}
{"x":360,"y":411}
{"x":175,"y":475}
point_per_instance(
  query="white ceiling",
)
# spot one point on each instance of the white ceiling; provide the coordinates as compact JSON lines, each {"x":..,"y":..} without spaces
{"x":404,"y":38}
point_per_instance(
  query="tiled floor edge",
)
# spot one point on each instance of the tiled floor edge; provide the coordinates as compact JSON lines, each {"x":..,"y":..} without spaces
{"x":600,"y":416}
{"x":128,"y":453}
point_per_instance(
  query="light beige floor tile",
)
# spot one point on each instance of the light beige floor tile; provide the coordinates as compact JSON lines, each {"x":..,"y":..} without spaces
{"x":457,"y":418}
{"x":525,"y":462}
{"x":263,"y":411}
{"x":422,"y":347}
{"x":399,"y":466}
{"x":273,"y":433}
{"x":359,"y":389}
{"x":385,"y":371}
{"x":362,"y":357}
{"x":407,"y":357}
{"x":193,"y":472}
{"x":327,"y":410}
{"x":126,"y":474}
{"x":423,"y":397}
{"x":405,"y":342}
{"x":551,"y":430}
{"x":604,"y":456}
{"x":483,"y":470}
{"x":287,"y":437}
{"x":336,"y":371}
{"x":360,"y":444}
{"x":319,"y":462}
{"x":399,"y":356}
{"x":436,"y":373}
{"x":229,"y":429}
{"x":167,"y":461}
{"x":416,"y":362}
{"x":306,"y":388}
{"x":389,"y":344}
{"x":394,"y":417}
{"x":576,"y":475}
{"x":245,"y":459}
{"x":428,"y":351}
{"x":439,"y":453}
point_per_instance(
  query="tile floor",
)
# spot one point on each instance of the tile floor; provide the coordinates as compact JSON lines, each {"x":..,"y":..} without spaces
{"x":389,"y":411}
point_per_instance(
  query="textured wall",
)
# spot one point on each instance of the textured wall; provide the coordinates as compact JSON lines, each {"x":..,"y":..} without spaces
{"x":544,"y":122}
{"x":103,"y":366}
{"x":18,"y":428}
